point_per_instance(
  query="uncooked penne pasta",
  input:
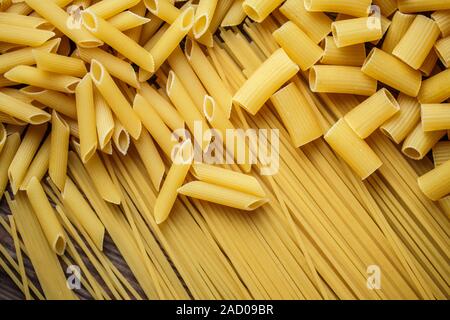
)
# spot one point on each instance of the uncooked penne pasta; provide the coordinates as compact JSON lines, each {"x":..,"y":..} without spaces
{"x":51,"y":12}
{"x":404,"y":121}
{"x":435,"y":116}
{"x":24,"y":21}
{"x":356,"y":8}
{"x":175,"y":177}
{"x":441,"y":152}
{"x":22,"y":110}
{"x":352,"y":149}
{"x":235,"y":15}
{"x":39,"y":166}
{"x":435,"y":184}
{"x":442,"y":18}
{"x":48,"y":80}
{"x":3,"y":135}
{"x":298,"y":46}
{"x":117,"y":40}
{"x":267,"y":79}
{"x":120,"y":137}
{"x":341,"y":79}
{"x":86,"y":118}
{"x":59,"y":64}
{"x":435,"y":89}
{"x":297,"y":115}
{"x":108,"y":8}
{"x":258,"y":10}
{"x":59,"y":150}
{"x":422,"y":5}
{"x":418,"y":142}
{"x":24,"y":36}
{"x":400,"y":24}
{"x":203,"y":16}
{"x":73,"y":199}
{"x":442,"y":48}
{"x":365,"y":118}
{"x":417,"y":42}
{"x":386,"y":68}
{"x":47,"y":217}
{"x":346,"y":56}
{"x":127,"y":20}
{"x":6,"y":157}
{"x":115,"y":99}
{"x":104,"y":120}
{"x":317,"y":25}
{"x":353,"y":31}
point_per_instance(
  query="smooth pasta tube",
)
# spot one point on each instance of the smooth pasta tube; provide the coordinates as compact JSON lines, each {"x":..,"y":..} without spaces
{"x":441,"y":152}
{"x":418,"y":143}
{"x":353,"y":31}
{"x":127,"y":20}
{"x":435,"y":184}
{"x":435,"y":89}
{"x":297,"y":115}
{"x":435,"y":116}
{"x":118,"y":41}
{"x":24,"y":36}
{"x":86,"y":118}
{"x":107,"y":9}
{"x":267,"y":79}
{"x":365,"y":118}
{"x":115,"y":99}
{"x":48,"y":80}
{"x":59,"y":64}
{"x":417,"y":42}
{"x":442,"y":48}
{"x":22,"y":110}
{"x":386,"y":68}
{"x":317,"y":25}
{"x":104,"y":120}
{"x":352,"y":149}
{"x":203,"y":16}
{"x":59,"y":150}
{"x":346,"y":56}
{"x":355,"y":8}
{"x":6,"y":157}
{"x":51,"y":12}
{"x":341,"y":79}
{"x":299,"y":47}
{"x":404,"y":121}
{"x":74,"y":200}
{"x":442,"y":18}
{"x":422,"y":5}
{"x":258,"y":10}
{"x":39,"y":166}
{"x":174,"y":179}
{"x":47,"y":217}
{"x":399,"y":25}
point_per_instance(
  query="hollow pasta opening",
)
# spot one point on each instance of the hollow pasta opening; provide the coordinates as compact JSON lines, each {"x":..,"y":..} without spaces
{"x":39,"y":118}
{"x":313,"y":79}
{"x":256,"y":204}
{"x":170,"y":81}
{"x":200,"y":25}
{"x":188,"y":19}
{"x":251,"y":12}
{"x":209,"y":106}
{"x":391,"y":98}
{"x":59,"y":245}
{"x":96,"y":71}
{"x":152,"y":5}
{"x":307,"y":4}
{"x":89,"y":20}
{"x":412,"y":153}
{"x":188,"y":48}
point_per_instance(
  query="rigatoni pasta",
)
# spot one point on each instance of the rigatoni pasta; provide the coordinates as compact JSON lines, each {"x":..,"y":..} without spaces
{"x":418,"y":142}
{"x":347,"y":56}
{"x":422,"y":5}
{"x":399,"y":26}
{"x":258,"y":10}
{"x":435,"y":116}
{"x":442,"y":48}
{"x":353,"y":31}
{"x":442,"y":18}
{"x":435,"y":89}
{"x":435,"y":184}
{"x":356,"y":8}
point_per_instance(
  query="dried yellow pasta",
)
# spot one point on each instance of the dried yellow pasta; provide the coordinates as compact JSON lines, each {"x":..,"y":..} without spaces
{"x":435,"y":184}
{"x":435,"y":116}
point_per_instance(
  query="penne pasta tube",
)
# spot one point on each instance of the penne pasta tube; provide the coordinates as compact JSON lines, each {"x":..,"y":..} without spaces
{"x":346,"y":56}
{"x":59,"y":150}
{"x":19,"y":95}
{"x":422,"y":5}
{"x":121,"y":138}
{"x":154,"y":124}
{"x":109,"y":8}
{"x":150,"y":28}
{"x":51,"y":12}
{"x":442,"y":18}
{"x":235,"y":15}
{"x":208,"y":77}
{"x":6,"y":157}
{"x":203,"y":16}
{"x":127,"y":20}
{"x":366,"y":117}
{"x":116,"y":67}
{"x":258,"y":10}
{"x":3,"y":135}
{"x":7,"y":119}
{"x":298,"y":46}
{"x":400,"y":24}
{"x":435,"y":116}
{"x":86,"y":118}
{"x":352,"y":149}
{"x":222,"y":195}
{"x":417,"y":42}
{"x":356,"y":8}
{"x":118,"y":41}
{"x":39,"y":166}
{"x":297,"y":115}
{"x":404,"y":121}
{"x":219,"y":14}
{"x":115,"y":99}
{"x":418,"y":142}
{"x":59,"y":64}
{"x":74,"y":200}
{"x":174,"y":179}
{"x":22,"y":110}
{"x":46,"y":215}
{"x":164,"y":108}
{"x":435,"y":184}
{"x":47,"y":80}
{"x":24,"y":36}
{"x":353,"y":31}
{"x":435,"y":89}
{"x":108,"y":149}
{"x":442,"y":48}
{"x":387,"y":7}
{"x":24,"y":21}
{"x":430,"y":62}
{"x":150,"y":158}
{"x":104,"y":120}
{"x":387,"y":69}
{"x":267,"y":79}
{"x":341,"y":79}
{"x":317,"y":25}
{"x":441,"y":152}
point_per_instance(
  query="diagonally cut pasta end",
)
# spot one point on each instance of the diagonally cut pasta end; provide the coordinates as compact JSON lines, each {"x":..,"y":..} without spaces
{"x":209,"y":107}
{"x":59,"y":246}
{"x":251,"y":11}
{"x":97,"y":71}
{"x":71,"y":86}
{"x":188,"y":48}
{"x":171,"y":78}
{"x":256,"y":204}
{"x":89,"y":20}
{"x":312,"y":79}
{"x":201,"y":25}
{"x":39,"y":118}
{"x":152,"y":6}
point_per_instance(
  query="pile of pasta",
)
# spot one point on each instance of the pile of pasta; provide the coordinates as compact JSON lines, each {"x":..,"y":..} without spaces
{"x":92,"y":91}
